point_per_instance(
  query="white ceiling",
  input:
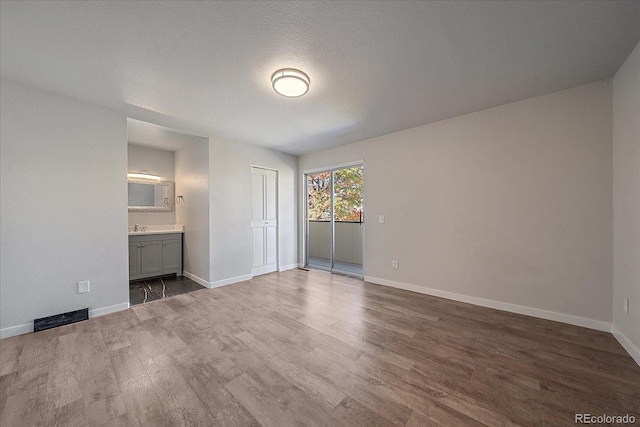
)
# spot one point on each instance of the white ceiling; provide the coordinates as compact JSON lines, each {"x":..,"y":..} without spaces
{"x":152,"y":135}
{"x":375,"y":67}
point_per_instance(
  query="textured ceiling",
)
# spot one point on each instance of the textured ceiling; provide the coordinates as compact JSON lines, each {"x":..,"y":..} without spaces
{"x":375,"y":67}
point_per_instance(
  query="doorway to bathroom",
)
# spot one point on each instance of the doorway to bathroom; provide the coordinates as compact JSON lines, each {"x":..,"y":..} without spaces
{"x":168,"y":211}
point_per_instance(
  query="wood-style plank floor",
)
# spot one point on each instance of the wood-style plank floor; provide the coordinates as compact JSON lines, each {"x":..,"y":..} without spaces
{"x":313,"y":349}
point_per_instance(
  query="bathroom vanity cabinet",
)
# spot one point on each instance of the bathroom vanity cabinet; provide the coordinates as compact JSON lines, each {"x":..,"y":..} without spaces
{"x":154,"y":255}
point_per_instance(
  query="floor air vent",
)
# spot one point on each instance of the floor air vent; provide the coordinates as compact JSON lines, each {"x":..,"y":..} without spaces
{"x":60,"y":319}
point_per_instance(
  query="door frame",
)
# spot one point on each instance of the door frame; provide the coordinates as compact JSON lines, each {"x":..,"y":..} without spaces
{"x":305,"y":217}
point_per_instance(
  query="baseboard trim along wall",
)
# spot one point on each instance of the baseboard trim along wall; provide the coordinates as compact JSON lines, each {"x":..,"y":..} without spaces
{"x":513,"y":308}
{"x":198,"y":280}
{"x":107,"y":310}
{"x":28,"y":327}
{"x":288,"y":267}
{"x":230,"y":281}
{"x":12,"y":331}
{"x":626,"y":343}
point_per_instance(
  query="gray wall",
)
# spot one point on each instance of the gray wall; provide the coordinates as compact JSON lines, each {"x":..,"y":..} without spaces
{"x":230,"y":169}
{"x":626,"y":201}
{"x":509,"y":205}
{"x":63,"y":204}
{"x":192,"y":182}
{"x":157,"y":162}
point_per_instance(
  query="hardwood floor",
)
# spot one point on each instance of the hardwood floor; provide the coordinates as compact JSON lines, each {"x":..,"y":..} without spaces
{"x":313,"y":349}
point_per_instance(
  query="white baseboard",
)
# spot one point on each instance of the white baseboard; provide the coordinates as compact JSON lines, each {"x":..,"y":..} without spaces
{"x":626,"y":343}
{"x":12,"y":331}
{"x":28,"y":327}
{"x":198,"y":280}
{"x":107,"y":310}
{"x":230,"y":281}
{"x":498,"y":305}
{"x":288,"y":267}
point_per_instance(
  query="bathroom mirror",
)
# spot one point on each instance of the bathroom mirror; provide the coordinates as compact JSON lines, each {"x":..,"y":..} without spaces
{"x":150,"y":196}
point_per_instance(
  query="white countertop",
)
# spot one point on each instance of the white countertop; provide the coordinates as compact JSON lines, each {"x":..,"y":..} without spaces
{"x":157,"y":229}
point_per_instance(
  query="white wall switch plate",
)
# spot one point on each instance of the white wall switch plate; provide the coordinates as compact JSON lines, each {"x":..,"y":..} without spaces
{"x":83,"y":287}
{"x":394,"y":264}
{"x":381,"y":219}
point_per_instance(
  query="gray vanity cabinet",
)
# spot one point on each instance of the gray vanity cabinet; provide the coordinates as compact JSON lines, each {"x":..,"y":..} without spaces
{"x":135,"y":267}
{"x":155,"y":255}
{"x":171,"y":254}
{"x":151,"y":256}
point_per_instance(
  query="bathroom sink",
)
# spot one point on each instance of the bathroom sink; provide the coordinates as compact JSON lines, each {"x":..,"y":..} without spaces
{"x":157,"y":229}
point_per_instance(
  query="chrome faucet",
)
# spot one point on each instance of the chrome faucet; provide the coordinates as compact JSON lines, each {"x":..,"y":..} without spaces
{"x":135,"y":228}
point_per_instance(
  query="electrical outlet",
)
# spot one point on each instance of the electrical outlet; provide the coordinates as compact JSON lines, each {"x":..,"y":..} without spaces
{"x":394,"y":264}
{"x":381,"y":219}
{"x":83,"y":287}
{"x":626,"y":306}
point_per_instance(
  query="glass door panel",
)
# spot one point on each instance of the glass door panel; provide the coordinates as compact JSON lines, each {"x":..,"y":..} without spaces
{"x":319,"y":229}
{"x":348,"y":220}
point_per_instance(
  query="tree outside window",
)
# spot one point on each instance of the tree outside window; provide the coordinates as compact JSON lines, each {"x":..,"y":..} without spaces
{"x":348,"y":195}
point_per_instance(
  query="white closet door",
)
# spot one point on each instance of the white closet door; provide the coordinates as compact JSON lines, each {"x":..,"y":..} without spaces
{"x":264,"y":221}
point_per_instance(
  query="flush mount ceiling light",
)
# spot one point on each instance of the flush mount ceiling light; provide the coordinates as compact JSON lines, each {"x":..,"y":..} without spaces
{"x":290,"y":82}
{"x":143,"y":176}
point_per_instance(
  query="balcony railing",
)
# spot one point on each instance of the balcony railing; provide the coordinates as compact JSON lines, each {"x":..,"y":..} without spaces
{"x":348,"y":245}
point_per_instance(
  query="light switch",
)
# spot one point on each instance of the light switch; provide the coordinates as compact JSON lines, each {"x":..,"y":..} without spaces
{"x":381,"y":219}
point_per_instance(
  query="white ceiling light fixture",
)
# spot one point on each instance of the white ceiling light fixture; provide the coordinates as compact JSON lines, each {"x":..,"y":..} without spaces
{"x":290,"y":82}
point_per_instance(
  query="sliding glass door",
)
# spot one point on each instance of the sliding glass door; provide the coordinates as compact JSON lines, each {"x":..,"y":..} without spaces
{"x":319,"y":214}
{"x":335,"y":220}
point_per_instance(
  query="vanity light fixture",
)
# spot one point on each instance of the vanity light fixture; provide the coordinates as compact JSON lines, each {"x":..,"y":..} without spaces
{"x":143,"y":176}
{"x":290,"y":82}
